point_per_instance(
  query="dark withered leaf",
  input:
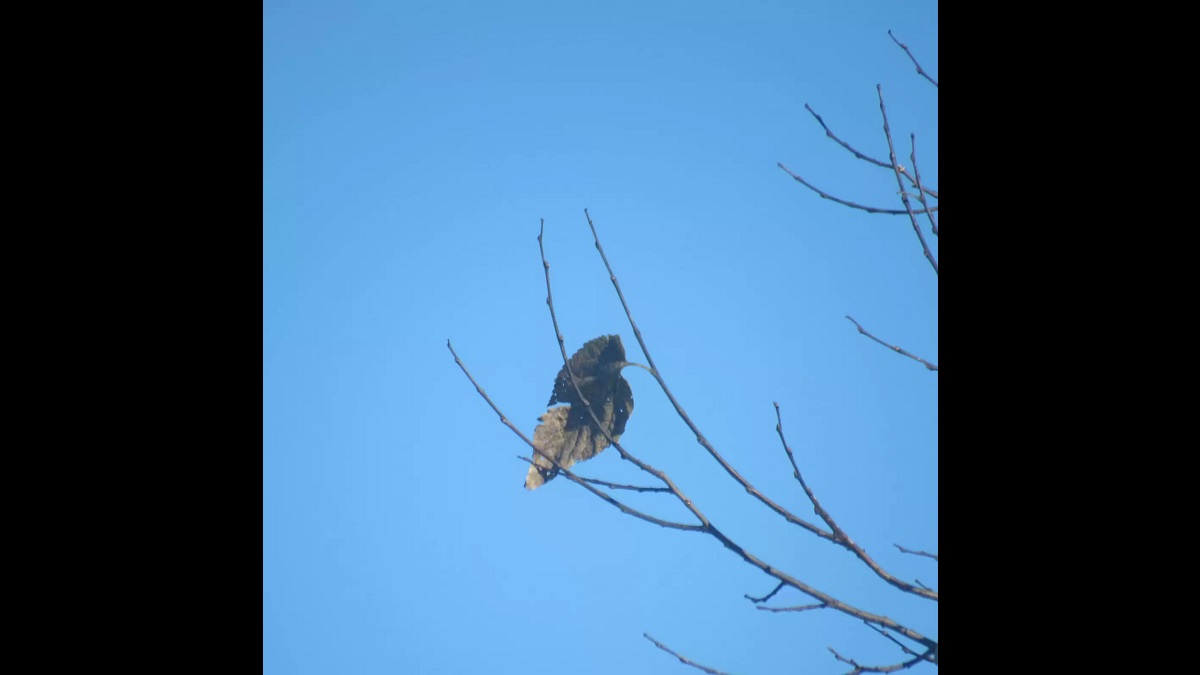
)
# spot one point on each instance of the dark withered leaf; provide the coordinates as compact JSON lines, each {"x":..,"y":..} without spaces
{"x":588,"y":362}
{"x":568,"y":434}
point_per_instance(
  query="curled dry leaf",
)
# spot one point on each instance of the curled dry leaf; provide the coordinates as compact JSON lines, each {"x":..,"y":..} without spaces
{"x":568,"y":433}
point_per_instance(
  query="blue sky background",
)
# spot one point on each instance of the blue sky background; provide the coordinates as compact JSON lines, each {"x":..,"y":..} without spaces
{"x":409,"y":150}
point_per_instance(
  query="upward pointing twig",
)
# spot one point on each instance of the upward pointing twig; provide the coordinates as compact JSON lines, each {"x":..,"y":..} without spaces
{"x":920,"y":70}
{"x":887,"y":131}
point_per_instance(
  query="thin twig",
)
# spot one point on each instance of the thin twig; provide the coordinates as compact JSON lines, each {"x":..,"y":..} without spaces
{"x":887,"y":132}
{"x":898,"y":350}
{"x":618,"y":486}
{"x":766,"y":597}
{"x":503,"y":417}
{"x":894,"y":641}
{"x":797,"y":608}
{"x":682,"y":659}
{"x":843,"y":538}
{"x":927,"y":555}
{"x":614,"y":502}
{"x":843,"y":202}
{"x":920,"y":70}
{"x":920,"y":191}
{"x":862,"y":156}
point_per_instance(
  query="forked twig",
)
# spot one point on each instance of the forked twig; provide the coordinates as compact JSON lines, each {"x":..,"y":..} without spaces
{"x":867,"y":158}
{"x":930,"y":656}
{"x":893,"y":640}
{"x":562,"y":346}
{"x":921,"y":190}
{"x":881,"y":624}
{"x":611,"y":500}
{"x":559,"y":467}
{"x":787,"y":515}
{"x":705,"y":525}
{"x":903,"y":193}
{"x":843,"y":202}
{"x":843,"y":538}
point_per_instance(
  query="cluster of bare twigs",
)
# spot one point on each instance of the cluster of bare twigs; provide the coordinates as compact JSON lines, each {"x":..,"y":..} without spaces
{"x":926,"y":196}
{"x":916,"y":647}
{"x":906,"y":179}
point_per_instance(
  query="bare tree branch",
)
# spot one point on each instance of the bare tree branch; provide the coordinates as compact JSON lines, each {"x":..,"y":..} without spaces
{"x":705,"y":525}
{"x":843,"y":538}
{"x":927,"y":555}
{"x":843,"y":202}
{"x":898,"y":350}
{"x":587,"y":404}
{"x":864,"y":157}
{"x":503,"y":417}
{"x":930,"y":655}
{"x":787,"y":515}
{"x":921,"y":190}
{"x":903,"y":194}
{"x":920,"y":70}
{"x":885,"y":626}
{"x":893,"y":640}
{"x":682,"y":659}
{"x":614,"y":502}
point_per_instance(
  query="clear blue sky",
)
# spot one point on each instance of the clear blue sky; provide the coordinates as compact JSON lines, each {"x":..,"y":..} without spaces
{"x":409,"y":150}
